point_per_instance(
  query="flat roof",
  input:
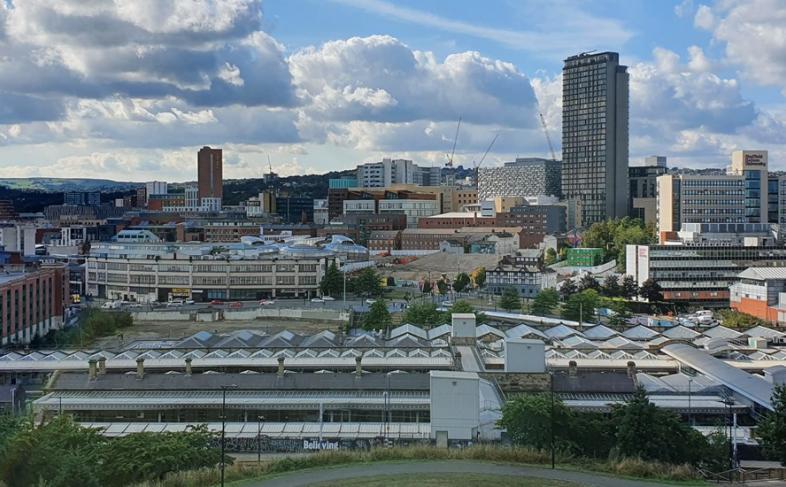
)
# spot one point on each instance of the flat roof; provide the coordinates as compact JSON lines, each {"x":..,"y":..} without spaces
{"x":748,"y":385}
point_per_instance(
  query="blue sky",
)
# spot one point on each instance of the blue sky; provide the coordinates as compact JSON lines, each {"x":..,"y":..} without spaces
{"x":130,"y":90}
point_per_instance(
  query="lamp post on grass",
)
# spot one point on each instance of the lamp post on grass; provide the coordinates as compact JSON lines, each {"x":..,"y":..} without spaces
{"x":224,"y":390}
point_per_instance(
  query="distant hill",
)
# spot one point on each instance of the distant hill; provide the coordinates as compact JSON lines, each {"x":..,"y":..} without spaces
{"x":60,"y":185}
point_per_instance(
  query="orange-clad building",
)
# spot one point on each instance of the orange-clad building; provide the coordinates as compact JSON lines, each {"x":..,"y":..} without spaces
{"x":761,"y":292}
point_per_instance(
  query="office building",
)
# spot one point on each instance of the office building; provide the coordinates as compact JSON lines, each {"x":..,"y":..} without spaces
{"x":137,"y":266}
{"x":82,"y":198}
{"x":155,"y":188}
{"x":210,"y":168}
{"x":321,"y":212}
{"x":388,"y":172}
{"x":697,"y":274}
{"x":644,"y":188}
{"x":595,"y":135}
{"x":530,"y":176}
{"x":739,"y":196}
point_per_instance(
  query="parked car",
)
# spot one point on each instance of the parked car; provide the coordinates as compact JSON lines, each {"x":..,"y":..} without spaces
{"x":216,"y":302}
{"x":328,"y":298}
{"x":317,"y":300}
{"x":236,"y":305}
{"x":371,"y":301}
{"x":266,"y":302}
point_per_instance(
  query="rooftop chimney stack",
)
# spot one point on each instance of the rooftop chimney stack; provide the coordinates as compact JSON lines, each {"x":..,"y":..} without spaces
{"x":188,"y":366}
{"x":101,"y":365}
{"x":280,"y":367}
{"x":140,"y":368}
{"x":632,"y":369}
{"x":358,"y":368}
{"x":91,"y":367}
{"x":573,"y":368}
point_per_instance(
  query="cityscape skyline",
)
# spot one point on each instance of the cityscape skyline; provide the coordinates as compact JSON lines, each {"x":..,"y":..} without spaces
{"x":259,"y":78}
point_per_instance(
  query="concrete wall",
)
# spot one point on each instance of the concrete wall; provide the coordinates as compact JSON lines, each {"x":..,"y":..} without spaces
{"x":160,"y":316}
{"x":455,"y":404}
{"x":523,"y":355}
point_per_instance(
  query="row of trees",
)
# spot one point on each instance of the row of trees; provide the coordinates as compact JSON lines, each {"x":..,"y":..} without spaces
{"x":613,"y":235}
{"x":427,"y":315}
{"x":93,"y":323}
{"x":366,"y":282}
{"x":65,"y":454}
{"x":636,"y":429}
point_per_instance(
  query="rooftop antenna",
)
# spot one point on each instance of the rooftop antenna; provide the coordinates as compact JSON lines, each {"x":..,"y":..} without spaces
{"x":453,"y":150}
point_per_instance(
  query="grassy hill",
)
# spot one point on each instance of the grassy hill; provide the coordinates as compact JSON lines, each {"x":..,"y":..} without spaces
{"x":60,"y":185}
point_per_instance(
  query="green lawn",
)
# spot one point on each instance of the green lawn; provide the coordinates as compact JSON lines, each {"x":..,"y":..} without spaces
{"x":452,"y":480}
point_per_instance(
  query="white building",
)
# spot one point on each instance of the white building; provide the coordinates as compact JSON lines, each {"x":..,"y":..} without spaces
{"x":388,"y":172}
{"x":18,"y":238}
{"x":321,"y":216}
{"x":414,"y":209}
{"x":155,"y":188}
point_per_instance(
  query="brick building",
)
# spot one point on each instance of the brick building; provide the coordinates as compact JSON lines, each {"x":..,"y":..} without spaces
{"x":32,"y":302}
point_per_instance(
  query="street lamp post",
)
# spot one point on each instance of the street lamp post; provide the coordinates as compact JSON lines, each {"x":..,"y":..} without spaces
{"x":551,"y":428}
{"x":690,"y":406}
{"x":223,"y":427}
{"x":259,"y":438}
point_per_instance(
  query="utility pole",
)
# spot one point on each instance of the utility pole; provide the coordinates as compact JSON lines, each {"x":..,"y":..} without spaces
{"x":223,"y":427}
{"x":551,"y":386}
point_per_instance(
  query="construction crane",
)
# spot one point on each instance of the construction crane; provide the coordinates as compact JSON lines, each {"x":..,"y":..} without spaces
{"x":548,"y":139}
{"x":477,"y":166}
{"x":453,"y":150}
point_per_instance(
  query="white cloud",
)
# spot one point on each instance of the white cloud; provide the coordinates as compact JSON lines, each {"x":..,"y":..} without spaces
{"x":704,"y":18}
{"x":754,"y":35}
{"x":379,"y":79}
{"x":683,"y":8}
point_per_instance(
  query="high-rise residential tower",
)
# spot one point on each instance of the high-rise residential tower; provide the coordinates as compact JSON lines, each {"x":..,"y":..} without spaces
{"x":595,"y":135}
{"x":209,"y":173}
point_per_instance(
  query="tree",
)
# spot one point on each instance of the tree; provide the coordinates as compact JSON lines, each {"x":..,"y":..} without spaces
{"x":528,"y":420}
{"x":367,"y":282}
{"x":629,"y":288}
{"x":645,"y":431}
{"x":651,"y":291}
{"x":461,"y":282}
{"x":588,"y":282}
{"x":378,"y":316}
{"x":426,"y":287}
{"x":479,"y":276}
{"x":771,"y":430}
{"x":545,"y":302}
{"x":550,"y":257}
{"x":510,"y":299}
{"x":332,"y":282}
{"x":567,"y":289}
{"x":611,"y":286}
{"x":736,"y":319}
{"x":423,"y":314}
{"x":442,"y":287}
{"x":613,"y":235}
{"x":581,"y":306}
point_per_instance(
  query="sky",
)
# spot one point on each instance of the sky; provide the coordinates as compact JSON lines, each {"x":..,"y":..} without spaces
{"x":131,"y":89}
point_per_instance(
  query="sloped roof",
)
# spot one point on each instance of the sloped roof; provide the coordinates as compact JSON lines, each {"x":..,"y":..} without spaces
{"x":680,"y":332}
{"x":640,"y":332}
{"x":599,"y":332}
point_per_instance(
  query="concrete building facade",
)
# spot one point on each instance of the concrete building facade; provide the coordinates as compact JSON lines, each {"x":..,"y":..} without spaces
{"x":595,"y":135}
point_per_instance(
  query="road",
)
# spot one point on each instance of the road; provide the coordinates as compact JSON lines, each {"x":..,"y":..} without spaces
{"x":314,"y":476}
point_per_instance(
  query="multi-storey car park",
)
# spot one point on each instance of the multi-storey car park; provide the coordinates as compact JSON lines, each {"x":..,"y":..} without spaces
{"x":137,"y":266}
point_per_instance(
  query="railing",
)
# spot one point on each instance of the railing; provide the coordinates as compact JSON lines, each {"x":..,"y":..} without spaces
{"x":742,"y":476}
